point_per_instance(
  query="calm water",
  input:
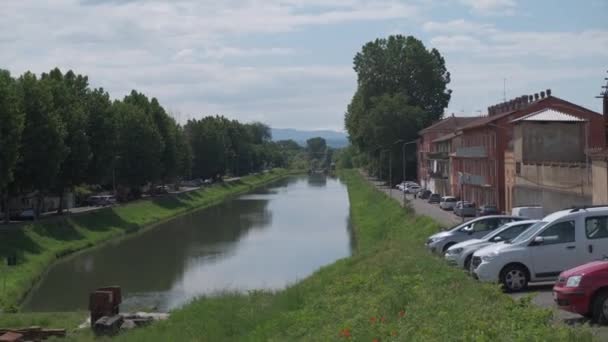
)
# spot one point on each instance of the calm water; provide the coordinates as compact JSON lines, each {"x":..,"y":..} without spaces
{"x":266,"y":239}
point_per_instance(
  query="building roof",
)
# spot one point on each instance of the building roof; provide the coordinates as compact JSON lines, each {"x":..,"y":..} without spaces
{"x":449,"y":124}
{"x":549,"y":115}
{"x":446,"y":137}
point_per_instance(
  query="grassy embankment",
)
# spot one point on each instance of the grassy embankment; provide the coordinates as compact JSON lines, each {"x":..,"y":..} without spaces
{"x":40,"y":244}
{"x":390,"y":290}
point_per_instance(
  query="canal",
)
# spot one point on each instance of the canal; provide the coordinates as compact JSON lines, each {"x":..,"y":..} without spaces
{"x":266,"y":239}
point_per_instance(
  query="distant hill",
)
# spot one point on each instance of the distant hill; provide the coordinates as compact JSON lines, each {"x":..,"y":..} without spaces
{"x":333,"y":138}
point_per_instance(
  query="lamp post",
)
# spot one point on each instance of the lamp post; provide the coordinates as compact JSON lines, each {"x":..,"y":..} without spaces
{"x":405,"y":143}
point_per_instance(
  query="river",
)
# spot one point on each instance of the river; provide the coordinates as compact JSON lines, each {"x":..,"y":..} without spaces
{"x":266,"y":239}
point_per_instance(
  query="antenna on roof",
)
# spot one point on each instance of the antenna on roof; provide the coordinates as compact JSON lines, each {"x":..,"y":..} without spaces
{"x":504,"y":89}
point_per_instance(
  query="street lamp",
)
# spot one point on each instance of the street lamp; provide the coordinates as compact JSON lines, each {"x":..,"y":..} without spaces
{"x":405,"y":143}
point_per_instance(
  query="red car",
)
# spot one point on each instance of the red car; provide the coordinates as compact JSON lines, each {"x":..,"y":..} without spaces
{"x":584,"y":290}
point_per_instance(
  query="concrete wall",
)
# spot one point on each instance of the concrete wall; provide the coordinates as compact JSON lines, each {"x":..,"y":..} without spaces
{"x":599,"y":170}
{"x":551,"y":141}
{"x":551,"y":199}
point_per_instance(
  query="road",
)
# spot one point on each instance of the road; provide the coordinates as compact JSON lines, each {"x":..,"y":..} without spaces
{"x":541,"y":293}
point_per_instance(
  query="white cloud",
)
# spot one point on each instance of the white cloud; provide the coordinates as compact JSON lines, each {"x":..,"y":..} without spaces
{"x":459,"y":26}
{"x":505,"y":7}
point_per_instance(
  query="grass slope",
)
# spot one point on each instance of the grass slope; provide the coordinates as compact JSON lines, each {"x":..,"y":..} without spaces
{"x":391,"y":290}
{"x":40,"y":244}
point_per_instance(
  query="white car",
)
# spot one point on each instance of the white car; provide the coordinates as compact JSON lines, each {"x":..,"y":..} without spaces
{"x":412,"y":189}
{"x":473,"y":229}
{"x":558,"y":242}
{"x":461,"y":253}
{"x":447,"y":203}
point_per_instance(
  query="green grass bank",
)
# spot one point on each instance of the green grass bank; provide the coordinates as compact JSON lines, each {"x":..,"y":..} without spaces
{"x":39,"y":244}
{"x":390,"y":290}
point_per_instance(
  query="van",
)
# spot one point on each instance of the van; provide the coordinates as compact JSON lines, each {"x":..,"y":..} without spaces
{"x":558,"y":242}
{"x":532,"y":212}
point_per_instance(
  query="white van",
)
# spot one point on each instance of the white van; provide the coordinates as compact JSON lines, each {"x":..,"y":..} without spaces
{"x":558,"y":242}
{"x":532,"y":212}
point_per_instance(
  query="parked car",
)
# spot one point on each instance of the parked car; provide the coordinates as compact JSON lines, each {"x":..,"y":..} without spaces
{"x":488,"y":209}
{"x":101,"y":200}
{"x":473,"y":229}
{"x":412,"y":189}
{"x":465,"y":209}
{"x":461,"y":253}
{"x":582,"y":290}
{"x":434,"y":198}
{"x":559,"y":241}
{"x":447,"y":203}
{"x":424,"y":194}
{"x":533,"y":212}
{"x":26,"y":214}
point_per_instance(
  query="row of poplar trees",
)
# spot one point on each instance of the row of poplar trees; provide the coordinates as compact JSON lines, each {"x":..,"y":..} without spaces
{"x":56,"y":133}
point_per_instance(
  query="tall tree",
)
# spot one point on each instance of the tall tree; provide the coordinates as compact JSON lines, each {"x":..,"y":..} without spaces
{"x":11,"y":127}
{"x":43,"y":147}
{"x":139,"y":149}
{"x":401,"y":88}
{"x":102,"y":131}
{"x":69,"y":103}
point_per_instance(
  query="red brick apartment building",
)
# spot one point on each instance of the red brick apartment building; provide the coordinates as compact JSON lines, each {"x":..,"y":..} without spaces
{"x":477,"y":160}
{"x":427,"y":150}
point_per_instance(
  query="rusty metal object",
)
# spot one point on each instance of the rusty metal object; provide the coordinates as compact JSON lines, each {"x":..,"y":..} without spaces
{"x":104,"y":302}
{"x":31,"y":333}
{"x":11,"y":337}
{"x":108,"y":325}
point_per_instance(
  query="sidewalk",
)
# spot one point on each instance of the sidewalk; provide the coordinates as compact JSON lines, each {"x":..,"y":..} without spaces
{"x":421,"y":207}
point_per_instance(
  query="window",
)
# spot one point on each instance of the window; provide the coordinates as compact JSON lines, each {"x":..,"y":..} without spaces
{"x":513,"y":232}
{"x":486,"y":225}
{"x":518,"y":168}
{"x":596,"y":227}
{"x":562,"y":232}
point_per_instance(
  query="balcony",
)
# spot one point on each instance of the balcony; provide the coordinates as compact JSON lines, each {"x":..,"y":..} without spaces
{"x":471,"y":152}
{"x":438,"y":155}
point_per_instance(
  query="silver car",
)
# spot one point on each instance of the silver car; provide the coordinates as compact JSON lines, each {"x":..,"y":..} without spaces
{"x":461,"y":253}
{"x":473,"y":229}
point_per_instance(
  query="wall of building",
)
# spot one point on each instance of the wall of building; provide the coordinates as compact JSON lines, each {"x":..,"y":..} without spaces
{"x":509,"y":179}
{"x":599,"y":169}
{"x":551,"y":199}
{"x":554,"y":141}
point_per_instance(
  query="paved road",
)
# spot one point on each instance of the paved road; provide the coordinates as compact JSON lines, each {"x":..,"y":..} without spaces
{"x":542,"y":294}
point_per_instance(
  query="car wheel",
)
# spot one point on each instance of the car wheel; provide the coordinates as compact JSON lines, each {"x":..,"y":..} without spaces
{"x":514,"y":278}
{"x":600,"y":308}
{"x":445,"y":248}
{"x":467,"y":262}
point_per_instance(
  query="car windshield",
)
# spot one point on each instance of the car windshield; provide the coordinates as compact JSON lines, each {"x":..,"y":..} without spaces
{"x":493,"y":233}
{"x":529,"y":232}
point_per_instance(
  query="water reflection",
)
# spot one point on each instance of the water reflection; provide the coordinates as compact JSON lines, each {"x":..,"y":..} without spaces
{"x":265,"y":239}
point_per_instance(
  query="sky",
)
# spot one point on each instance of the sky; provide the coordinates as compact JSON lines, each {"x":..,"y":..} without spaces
{"x":288,"y":63}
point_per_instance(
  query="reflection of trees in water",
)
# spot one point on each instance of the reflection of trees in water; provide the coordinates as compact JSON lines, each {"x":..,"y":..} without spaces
{"x":317,"y":180}
{"x":352,"y":235}
{"x":154,"y":260}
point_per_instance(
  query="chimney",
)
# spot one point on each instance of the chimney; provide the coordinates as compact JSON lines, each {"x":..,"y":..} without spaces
{"x":536,"y":96}
{"x":542,"y":94}
{"x":548,"y":92}
{"x":530,"y":99}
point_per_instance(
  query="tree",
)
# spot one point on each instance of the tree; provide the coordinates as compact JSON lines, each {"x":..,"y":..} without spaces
{"x":11,"y":127}
{"x":42,"y":141}
{"x":102,"y":131}
{"x":139,"y":149}
{"x":69,"y":96}
{"x":402,"y":87}
{"x":316,"y":146}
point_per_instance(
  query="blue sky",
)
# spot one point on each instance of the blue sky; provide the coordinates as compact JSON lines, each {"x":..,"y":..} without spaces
{"x":288,"y":63}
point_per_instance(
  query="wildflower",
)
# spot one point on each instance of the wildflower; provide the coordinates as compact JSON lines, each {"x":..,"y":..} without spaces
{"x":382,"y":320}
{"x":401,"y":313}
{"x":394,"y":333}
{"x":375,"y":340}
{"x":372,"y":320}
{"x":345,"y":333}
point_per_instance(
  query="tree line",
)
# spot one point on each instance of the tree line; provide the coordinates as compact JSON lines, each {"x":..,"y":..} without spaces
{"x":56,"y":133}
{"x":401,"y":88}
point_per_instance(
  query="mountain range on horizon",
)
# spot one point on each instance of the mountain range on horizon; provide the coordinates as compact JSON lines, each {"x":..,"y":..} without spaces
{"x":334,"y":139}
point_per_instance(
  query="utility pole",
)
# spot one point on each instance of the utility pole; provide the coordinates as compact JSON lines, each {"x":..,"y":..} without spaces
{"x":504,"y":89}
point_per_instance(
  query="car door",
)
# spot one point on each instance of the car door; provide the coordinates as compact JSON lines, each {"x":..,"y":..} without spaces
{"x":595,"y":246}
{"x":557,"y":252}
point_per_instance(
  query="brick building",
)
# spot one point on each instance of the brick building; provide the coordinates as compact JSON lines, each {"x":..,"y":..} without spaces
{"x":478,"y":157}
{"x":432,"y":160}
